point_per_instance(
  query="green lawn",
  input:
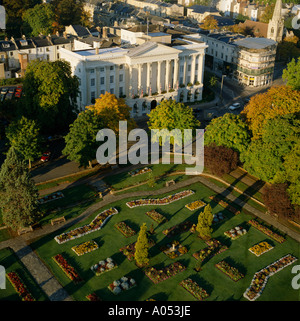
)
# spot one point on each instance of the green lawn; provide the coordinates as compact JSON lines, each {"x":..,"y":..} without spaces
{"x":218,"y":285}
{"x":11,"y":264}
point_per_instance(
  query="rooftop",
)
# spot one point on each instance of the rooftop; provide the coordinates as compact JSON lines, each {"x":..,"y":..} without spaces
{"x":255,"y":43}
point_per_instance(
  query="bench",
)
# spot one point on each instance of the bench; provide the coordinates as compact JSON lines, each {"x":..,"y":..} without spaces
{"x":169,"y":183}
{"x":58,"y":220}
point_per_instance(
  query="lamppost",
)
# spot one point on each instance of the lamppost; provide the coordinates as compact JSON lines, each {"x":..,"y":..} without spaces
{"x":221,"y":92}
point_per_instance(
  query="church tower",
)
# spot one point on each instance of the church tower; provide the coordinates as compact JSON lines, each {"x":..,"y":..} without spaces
{"x":276,"y":24}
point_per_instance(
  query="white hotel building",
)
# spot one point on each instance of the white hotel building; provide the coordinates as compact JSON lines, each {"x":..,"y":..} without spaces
{"x":144,"y":75}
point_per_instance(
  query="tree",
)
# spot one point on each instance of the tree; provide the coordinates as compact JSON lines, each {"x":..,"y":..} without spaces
{"x":112,"y":110}
{"x":40,"y":18}
{"x":229,"y":131}
{"x":278,"y":202}
{"x":292,"y":74}
{"x":68,"y":12}
{"x":18,"y":193}
{"x":24,"y":136}
{"x":141,"y":247}
{"x":277,"y":101}
{"x":205,"y":220}
{"x":81,"y":145}
{"x":51,"y":95}
{"x":220,"y":160}
{"x":268,"y":14}
{"x":209,"y":23}
{"x":172,"y":115}
{"x":264,"y":157}
{"x":292,"y":170}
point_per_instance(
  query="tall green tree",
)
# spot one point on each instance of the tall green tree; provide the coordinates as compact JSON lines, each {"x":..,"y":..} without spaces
{"x":292,"y":74}
{"x":81,"y":143}
{"x":18,"y":193}
{"x":142,"y":247}
{"x":264,"y":157}
{"x":229,"y":131}
{"x":51,"y":95}
{"x":172,"y":115}
{"x":40,"y":18}
{"x":24,"y":136}
{"x":205,"y":220}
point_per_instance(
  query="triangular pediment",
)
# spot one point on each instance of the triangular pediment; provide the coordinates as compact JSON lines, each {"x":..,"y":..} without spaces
{"x":150,"y":49}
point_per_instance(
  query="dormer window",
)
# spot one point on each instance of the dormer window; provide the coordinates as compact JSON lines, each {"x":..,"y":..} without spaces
{"x":23,"y":43}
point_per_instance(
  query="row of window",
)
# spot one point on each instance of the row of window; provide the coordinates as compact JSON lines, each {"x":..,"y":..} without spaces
{"x":112,"y":91}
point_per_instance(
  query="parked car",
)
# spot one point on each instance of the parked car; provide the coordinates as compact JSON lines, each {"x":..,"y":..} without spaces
{"x":9,"y":96}
{"x":235,"y":106}
{"x":45,"y":157}
{"x":18,"y":92}
{"x":11,"y":90}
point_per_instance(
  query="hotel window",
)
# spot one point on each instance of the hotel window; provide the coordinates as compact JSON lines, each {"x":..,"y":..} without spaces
{"x":181,"y":68}
{"x":92,"y":81}
{"x":93,"y":95}
{"x":121,"y":91}
{"x":189,"y":67}
{"x":102,"y":80}
{"x":92,"y":71}
{"x":102,"y":92}
{"x":102,"y":69}
{"x":121,"y":67}
{"x":120,"y":77}
{"x":111,"y":79}
{"x":111,"y":67}
{"x":112,"y":91}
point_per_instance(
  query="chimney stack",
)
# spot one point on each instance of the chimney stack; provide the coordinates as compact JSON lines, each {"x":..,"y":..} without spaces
{"x":104,"y":32}
{"x":97,"y":45}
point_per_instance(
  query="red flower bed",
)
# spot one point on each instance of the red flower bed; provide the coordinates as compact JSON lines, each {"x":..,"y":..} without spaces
{"x":157,"y":276}
{"x":18,"y":285}
{"x":126,"y":230}
{"x":67,"y":268}
{"x":93,"y":297}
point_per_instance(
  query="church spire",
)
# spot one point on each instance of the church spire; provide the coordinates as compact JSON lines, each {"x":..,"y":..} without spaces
{"x":276,"y":24}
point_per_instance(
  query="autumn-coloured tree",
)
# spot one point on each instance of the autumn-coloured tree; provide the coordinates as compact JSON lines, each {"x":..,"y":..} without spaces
{"x":209,"y":23}
{"x":277,"y":200}
{"x":277,"y":101}
{"x":220,"y":160}
{"x":141,"y":247}
{"x":205,"y":220}
{"x":112,"y":110}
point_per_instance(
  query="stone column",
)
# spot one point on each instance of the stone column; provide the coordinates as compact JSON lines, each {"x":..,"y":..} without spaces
{"x":184,"y":70}
{"x":201,"y":68}
{"x":167,"y":75}
{"x":139,"y":77}
{"x":148,"y":76}
{"x":117,"y":93}
{"x":130,"y":82}
{"x":175,"y":75}
{"x":158,"y":76}
{"x":193,"y":67}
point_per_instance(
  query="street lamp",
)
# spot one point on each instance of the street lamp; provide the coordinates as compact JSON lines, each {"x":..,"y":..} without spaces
{"x":221,"y":92}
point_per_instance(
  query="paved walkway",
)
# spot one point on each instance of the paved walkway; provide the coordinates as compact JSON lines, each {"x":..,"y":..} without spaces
{"x":51,"y":286}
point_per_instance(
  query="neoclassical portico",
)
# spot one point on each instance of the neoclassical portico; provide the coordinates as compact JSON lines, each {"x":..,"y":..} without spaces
{"x":143,"y":75}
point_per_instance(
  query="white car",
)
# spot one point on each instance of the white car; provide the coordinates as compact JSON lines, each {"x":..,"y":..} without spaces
{"x":235,"y":106}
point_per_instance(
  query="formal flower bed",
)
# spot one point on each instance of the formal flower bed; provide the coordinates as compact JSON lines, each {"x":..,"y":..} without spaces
{"x":224,"y":204}
{"x":235,"y":232}
{"x":97,"y":223}
{"x":174,"y":250}
{"x":129,"y":250}
{"x":177,"y":229}
{"x":93,"y":297}
{"x":160,"y":201}
{"x":126,"y":230}
{"x":67,"y":268}
{"x":121,"y":285}
{"x":261,"y":277}
{"x":157,"y":276}
{"x":195,"y":205}
{"x":229,"y":270}
{"x":157,"y":217}
{"x":140,"y":171}
{"x":51,"y":197}
{"x":193,"y":288}
{"x":260,"y":248}
{"x":85,"y":247}
{"x":19,"y":286}
{"x":267,"y":231}
{"x":104,"y":266}
{"x":214,"y":247}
